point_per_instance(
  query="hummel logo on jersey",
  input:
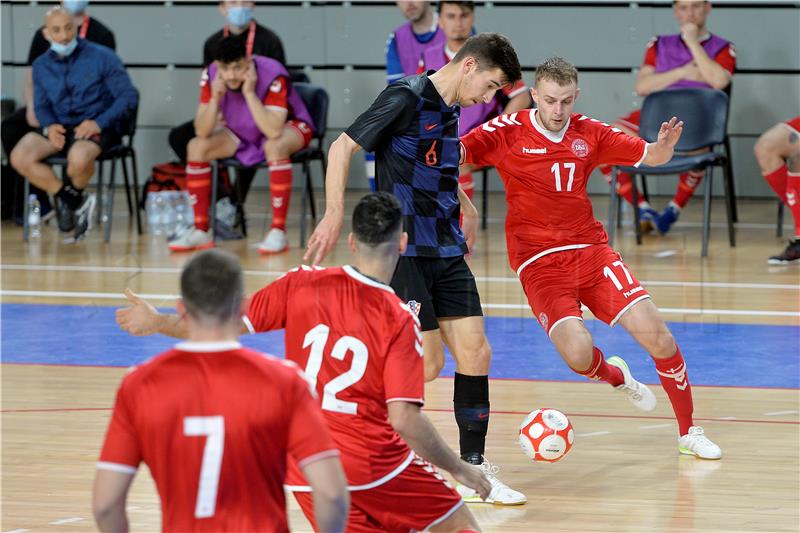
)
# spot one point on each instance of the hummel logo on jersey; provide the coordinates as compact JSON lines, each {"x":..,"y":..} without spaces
{"x":429,"y":127}
{"x":502,"y":122}
{"x":534,"y":150}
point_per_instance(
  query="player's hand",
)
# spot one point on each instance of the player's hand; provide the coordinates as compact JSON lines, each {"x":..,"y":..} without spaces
{"x":140,"y":318}
{"x":472,"y":477}
{"x":469,"y":226}
{"x":691,"y":72}
{"x":218,"y":88}
{"x":324,"y":237}
{"x":87,"y":129}
{"x":250,"y":79}
{"x":690,"y":32}
{"x":669,"y":133}
{"x":30,"y":117}
{"x":56,"y":134}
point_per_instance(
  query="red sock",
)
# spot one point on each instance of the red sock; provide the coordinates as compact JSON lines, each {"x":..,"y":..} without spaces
{"x":280,"y":189}
{"x":777,"y":179}
{"x":624,"y":185}
{"x":466,"y":182}
{"x":599,"y":370}
{"x":198,"y":181}
{"x":675,"y":380}
{"x":793,"y":198}
{"x":689,"y":181}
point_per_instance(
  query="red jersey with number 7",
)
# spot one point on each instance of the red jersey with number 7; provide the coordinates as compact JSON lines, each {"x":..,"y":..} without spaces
{"x":214,"y":423}
{"x":361,"y":347}
{"x":545,"y":176}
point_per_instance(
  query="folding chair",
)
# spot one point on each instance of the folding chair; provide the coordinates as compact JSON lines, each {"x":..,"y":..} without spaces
{"x":705,"y":116}
{"x":316,"y":101}
{"x":122,"y":152}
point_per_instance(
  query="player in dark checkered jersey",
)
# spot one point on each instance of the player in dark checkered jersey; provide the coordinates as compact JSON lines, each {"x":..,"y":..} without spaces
{"x":413,"y":129}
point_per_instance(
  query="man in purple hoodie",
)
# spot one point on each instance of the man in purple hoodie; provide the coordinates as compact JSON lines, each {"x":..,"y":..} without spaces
{"x":694,"y":57}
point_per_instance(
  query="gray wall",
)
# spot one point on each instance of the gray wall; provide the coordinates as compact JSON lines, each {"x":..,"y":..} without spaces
{"x":329,"y":40}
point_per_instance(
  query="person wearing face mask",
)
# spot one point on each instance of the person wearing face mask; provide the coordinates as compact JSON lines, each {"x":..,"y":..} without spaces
{"x":82,"y":97}
{"x":23,"y":120}
{"x":260,"y":41}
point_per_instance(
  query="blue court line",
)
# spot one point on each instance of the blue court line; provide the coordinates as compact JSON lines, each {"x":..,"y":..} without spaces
{"x":717,"y":354}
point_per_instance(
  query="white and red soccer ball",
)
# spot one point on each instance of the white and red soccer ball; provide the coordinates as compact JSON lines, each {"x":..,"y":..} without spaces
{"x":546,"y":435}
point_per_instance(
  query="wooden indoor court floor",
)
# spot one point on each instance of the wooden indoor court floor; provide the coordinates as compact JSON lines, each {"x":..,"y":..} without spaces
{"x":623,"y":473}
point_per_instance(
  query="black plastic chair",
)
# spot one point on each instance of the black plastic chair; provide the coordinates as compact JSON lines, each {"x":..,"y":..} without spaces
{"x":122,"y":152}
{"x":316,"y":101}
{"x":705,"y":116}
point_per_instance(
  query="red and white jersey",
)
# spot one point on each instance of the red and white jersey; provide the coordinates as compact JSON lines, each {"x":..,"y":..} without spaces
{"x":545,"y":175}
{"x":361,"y":347}
{"x":214,"y":423}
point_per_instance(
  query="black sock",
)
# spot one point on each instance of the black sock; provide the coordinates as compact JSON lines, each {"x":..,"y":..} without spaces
{"x":70,"y":196}
{"x":471,"y":406}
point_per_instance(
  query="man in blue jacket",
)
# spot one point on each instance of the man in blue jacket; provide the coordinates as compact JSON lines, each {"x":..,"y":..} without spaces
{"x":82,"y":97}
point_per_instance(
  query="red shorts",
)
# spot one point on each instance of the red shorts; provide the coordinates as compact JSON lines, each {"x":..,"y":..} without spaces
{"x":303,"y":129}
{"x":631,"y":121}
{"x":557,"y":284}
{"x":794,"y":124}
{"x":416,"y":499}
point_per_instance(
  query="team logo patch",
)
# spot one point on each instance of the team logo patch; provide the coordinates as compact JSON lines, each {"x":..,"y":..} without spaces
{"x":543,"y":320}
{"x":580,"y":147}
{"x":414,"y":306}
{"x":276,"y":86}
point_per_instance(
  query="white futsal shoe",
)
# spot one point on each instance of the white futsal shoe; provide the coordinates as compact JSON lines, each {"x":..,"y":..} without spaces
{"x":501,"y":494}
{"x":696,"y":443}
{"x":193,"y":239}
{"x":638,"y":393}
{"x":274,"y":243}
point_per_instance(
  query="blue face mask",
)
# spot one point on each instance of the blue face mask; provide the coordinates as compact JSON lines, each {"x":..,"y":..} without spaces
{"x":75,"y":7}
{"x":64,"y":49}
{"x":239,"y":16}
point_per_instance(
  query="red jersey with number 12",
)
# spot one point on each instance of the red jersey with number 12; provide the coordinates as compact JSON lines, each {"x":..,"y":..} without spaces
{"x":545,"y":175}
{"x":361,"y":347}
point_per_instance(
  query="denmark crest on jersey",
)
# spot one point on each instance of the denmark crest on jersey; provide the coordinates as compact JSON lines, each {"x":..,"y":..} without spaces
{"x":580,"y":147}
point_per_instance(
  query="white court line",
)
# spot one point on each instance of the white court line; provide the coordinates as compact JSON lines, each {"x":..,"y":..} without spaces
{"x":655,"y":426}
{"x":66,"y":521}
{"x":120,"y":296}
{"x":665,"y":253}
{"x":727,"y":418}
{"x":595,"y":434}
{"x":276,"y":273}
{"x":778,"y":413}
{"x":16,"y":531}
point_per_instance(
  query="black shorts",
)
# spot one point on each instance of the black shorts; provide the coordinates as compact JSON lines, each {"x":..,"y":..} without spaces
{"x":105,"y":140}
{"x":437,"y":288}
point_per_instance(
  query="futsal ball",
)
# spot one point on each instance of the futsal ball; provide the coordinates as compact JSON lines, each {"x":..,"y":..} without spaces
{"x":546,"y":435}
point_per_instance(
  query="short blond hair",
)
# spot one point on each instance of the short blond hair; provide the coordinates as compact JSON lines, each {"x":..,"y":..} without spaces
{"x":557,"y":69}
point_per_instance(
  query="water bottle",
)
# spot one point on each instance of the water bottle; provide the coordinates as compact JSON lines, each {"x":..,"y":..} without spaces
{"x":153,"y":207}
{"x":184,"y":214}
{"x":34,"y":217}
{"x":165,"y":213}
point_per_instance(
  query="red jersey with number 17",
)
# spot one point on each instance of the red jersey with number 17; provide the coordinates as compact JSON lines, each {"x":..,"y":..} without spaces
{"x":545,"y":175}
{"x":361,"y":347}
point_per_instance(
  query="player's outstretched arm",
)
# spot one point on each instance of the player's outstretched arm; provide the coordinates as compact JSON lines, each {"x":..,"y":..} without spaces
{"x":327,"y":231}
{"x":422,"y":437}
{"x":142,"y":319}
{"x":108,"y":500}
{"x":661,"y":151}
{"x":329,"y":489}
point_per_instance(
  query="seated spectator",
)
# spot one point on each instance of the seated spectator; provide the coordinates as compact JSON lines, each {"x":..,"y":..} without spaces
{"x":248,"y":109}
{"x":258,"y":41}
{"x":408,"y":41}
{"x":692,"y":58}
{"x":82,"y":97}
{"x":23,"y":120}
{"x":778,"y":154}
{"x":456,"y":20}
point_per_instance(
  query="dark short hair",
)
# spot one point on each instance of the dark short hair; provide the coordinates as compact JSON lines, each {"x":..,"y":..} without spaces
{"x":231,"y":49}
{"x":492,"y":51}
{"x":212,"y":287}
{"x":376,"y":218}
{"x":463,"y":5}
